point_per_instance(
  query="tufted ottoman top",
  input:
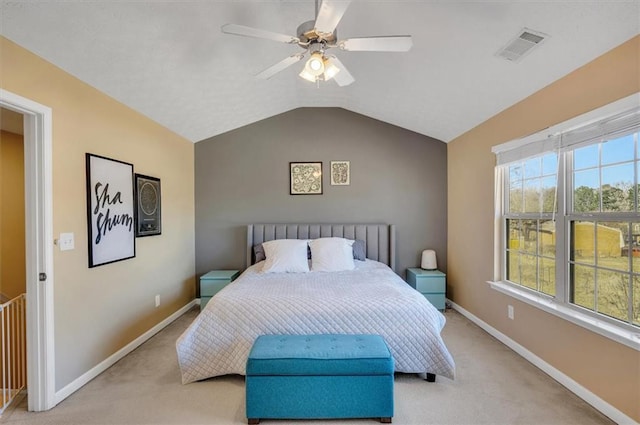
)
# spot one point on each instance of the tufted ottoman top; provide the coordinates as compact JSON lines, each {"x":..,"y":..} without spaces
{"x":315,"y":355}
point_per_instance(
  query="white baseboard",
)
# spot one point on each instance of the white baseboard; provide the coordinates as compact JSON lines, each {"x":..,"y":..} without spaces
{"x":111,"y":360}
{"x":595,"y":401}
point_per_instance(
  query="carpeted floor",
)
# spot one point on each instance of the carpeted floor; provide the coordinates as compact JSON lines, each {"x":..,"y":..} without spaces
{"x":493,"y":386}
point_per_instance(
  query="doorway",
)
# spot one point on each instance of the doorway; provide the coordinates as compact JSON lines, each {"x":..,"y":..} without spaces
{"x":12,"y":259}
{"x":37,"y":125}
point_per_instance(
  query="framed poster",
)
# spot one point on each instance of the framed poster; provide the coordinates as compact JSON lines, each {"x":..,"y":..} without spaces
{"x":340,"y":173}
{"x":148,"y":206}
{"x":305,"y":178}
{"x":110,"y":214}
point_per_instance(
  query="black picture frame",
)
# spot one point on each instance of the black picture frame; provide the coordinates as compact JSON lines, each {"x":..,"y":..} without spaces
{"x":148,"y":206}
{"x":110,"y":212}
{"x":305,"y":178}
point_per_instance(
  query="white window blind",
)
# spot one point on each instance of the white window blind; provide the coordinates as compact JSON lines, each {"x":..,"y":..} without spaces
{"x":577,"y":132}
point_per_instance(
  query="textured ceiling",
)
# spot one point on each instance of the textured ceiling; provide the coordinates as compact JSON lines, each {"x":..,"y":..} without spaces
{"x":170,"y":61}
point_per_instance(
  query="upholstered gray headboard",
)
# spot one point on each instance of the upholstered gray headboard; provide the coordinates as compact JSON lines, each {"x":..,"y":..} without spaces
{"x":380,"y":239}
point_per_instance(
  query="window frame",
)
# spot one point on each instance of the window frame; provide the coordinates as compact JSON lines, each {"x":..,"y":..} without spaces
{"x":505,"y":216}
{"x":560,"y":305}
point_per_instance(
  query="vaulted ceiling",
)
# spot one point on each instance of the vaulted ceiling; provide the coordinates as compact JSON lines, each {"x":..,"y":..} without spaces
{"x":170,"y":61}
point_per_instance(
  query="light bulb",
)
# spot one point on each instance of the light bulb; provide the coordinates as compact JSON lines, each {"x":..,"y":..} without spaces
{"x":315,"y":64}
{"x":330,"y":69}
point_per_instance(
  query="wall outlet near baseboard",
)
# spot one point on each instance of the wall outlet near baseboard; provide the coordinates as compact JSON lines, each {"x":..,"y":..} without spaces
{"x":157,"y":300}
{"x":510,"y":311}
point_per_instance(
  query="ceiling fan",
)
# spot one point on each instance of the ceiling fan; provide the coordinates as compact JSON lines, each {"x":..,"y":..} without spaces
{"x":316,"y":38}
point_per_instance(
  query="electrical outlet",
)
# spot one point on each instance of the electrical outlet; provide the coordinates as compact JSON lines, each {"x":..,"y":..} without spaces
{"x":510,"y":311}
{"x":157,"y":300}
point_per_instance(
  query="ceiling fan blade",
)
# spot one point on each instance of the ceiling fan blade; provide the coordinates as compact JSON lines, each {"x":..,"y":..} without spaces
{"x":392,"y":43}
{"x":283,"y":64}
{"x":258,"y":33}
{"x":329,"y":15}
{"x":343,"y":77}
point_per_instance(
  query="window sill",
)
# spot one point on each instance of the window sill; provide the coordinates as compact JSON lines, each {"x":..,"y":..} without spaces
{"x":629,"y":338}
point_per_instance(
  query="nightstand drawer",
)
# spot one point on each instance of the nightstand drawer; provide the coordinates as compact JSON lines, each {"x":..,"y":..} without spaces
{"x":213,"y":282}
{"x":437,"y":300}
{"x":431,"y":285}
{"x":208,"y":288}
{"x":204,"y":301}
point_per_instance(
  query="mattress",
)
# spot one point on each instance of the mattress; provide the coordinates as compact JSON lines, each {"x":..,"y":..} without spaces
{"x":371,"y":299}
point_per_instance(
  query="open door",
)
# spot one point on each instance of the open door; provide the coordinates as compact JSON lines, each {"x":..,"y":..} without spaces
{"x":39,"y":248}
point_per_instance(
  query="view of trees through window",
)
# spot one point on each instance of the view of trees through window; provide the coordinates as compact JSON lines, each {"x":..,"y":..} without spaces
{"x":602,"y":271}
{"x":603,"y":176}
{"x":531,"y":258}
{"x":603,"y":259}
{"x":531,"y":240}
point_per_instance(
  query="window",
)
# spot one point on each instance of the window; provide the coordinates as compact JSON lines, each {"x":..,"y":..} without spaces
{"x":569,"y":221}
{"x":604,"y":259}
{"x":530,"y":227}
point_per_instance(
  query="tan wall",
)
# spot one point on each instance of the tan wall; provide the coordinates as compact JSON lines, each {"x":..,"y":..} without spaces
{"x":12,"y":244}
{"x":608,"y":369}
{"x":98,"y":311}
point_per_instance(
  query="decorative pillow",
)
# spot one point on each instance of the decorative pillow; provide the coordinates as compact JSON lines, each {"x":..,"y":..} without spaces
{"x":258,"y":253}
{"x":331,"y":255}
{"x":285,"y":256}
{"x":359,"y":252}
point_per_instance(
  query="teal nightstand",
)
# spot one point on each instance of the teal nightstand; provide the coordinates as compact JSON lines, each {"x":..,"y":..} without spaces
{"x":430,"y":283}
{"x":213,"y":282}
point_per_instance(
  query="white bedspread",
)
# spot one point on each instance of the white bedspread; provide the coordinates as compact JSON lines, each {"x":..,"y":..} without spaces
{"x":369,"y":300}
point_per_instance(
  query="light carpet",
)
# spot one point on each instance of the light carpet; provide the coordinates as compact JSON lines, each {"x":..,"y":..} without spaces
{"x":494,"y":385}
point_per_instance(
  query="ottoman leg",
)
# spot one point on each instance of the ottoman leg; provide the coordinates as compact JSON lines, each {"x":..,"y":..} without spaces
{"x":253,"y":421}
{"x":385,"y":420}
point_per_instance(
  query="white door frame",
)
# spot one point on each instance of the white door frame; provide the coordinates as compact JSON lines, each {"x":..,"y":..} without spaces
{"x":39,"y":248}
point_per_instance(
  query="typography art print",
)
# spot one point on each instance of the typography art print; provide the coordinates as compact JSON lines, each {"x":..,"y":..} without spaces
{"x":110,"y":210}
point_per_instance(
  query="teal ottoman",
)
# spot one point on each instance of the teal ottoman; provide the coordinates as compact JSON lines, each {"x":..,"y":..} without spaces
{"x":319,"y":377}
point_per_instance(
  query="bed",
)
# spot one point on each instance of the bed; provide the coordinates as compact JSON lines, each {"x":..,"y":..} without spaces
{"x":368,"y":299}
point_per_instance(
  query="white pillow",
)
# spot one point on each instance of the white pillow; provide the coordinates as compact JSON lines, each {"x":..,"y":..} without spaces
{"x":331,"y":255}
{"x":285,"y":256}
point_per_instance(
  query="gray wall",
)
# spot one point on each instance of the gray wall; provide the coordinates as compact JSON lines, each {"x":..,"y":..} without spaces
{"x":397,"y":177}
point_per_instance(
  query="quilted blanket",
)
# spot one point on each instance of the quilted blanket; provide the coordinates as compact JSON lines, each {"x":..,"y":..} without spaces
{"x":369,"y":300}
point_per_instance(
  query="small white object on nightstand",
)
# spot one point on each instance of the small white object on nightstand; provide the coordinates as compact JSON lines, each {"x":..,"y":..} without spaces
{"x":429,"y":260}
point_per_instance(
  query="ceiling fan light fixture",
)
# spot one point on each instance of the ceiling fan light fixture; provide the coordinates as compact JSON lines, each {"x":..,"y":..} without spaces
{"x":316,"y":37}
{"x":315,"y":64}
{"x":307,"y":75}
{"x":330,"y":69}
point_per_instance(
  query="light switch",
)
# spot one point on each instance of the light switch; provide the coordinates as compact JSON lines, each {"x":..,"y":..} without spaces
{"x":65,"y":242}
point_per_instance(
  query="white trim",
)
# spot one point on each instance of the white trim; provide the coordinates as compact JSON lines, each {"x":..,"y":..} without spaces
{"x":573,"y":386}
{"x":39,"y":247}
{"x":111,"y":360}
{"x":627,"y":337}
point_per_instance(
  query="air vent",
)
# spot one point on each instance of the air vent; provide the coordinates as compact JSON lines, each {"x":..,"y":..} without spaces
{"x":521,"y":45}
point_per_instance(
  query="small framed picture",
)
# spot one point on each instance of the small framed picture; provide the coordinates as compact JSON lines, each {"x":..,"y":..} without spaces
{"x":148,"y":206}
{"x":305,"y":178}
{"x":340,"y":173}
